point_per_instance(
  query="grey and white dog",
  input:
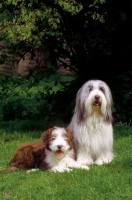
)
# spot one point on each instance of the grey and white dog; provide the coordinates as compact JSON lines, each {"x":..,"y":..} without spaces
{"x":92,"y":123}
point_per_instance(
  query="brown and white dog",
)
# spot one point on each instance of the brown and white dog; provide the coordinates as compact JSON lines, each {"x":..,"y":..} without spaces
{"x":54,"y":153}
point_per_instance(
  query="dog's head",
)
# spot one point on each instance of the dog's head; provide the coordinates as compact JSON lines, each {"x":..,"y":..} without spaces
{"x":94,"y":96}
{"x":58,"y":140}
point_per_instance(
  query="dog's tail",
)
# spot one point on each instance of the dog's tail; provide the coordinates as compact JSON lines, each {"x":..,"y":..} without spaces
{"x":10,"y":169}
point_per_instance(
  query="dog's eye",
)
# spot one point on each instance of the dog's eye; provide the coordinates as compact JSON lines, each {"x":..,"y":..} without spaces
{"x":53,"y":138}
{"x":66,"y":139}
{"x":90,"y":89}
{"x":102,"y":89}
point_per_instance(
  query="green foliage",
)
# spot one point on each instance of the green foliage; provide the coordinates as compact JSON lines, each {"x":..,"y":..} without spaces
{"x":33,"y":21}
{"x":122,"y":93}
{"x":94,"y":35}
{"x":47,"y":25}
{"x":33,"y":97}
{"x":72,"y":6}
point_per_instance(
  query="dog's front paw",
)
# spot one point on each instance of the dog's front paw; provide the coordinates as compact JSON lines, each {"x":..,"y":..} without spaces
{"x":84,"y":167}
{"x":32,"y":170}
{"x":99,"y":162}
{"x":87,"y":161}
{"x":60,"y":169}
{"x":102,"y":161}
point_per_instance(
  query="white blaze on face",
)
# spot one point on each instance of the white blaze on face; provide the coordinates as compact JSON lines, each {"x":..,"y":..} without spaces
{"x":59,"y":144}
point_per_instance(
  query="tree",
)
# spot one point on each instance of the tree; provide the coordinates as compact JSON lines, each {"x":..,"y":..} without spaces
{"x":64,"y":26}
{"x":94,"y":35}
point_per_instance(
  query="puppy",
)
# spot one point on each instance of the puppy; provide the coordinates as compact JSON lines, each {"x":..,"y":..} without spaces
{"x":54,"y":153}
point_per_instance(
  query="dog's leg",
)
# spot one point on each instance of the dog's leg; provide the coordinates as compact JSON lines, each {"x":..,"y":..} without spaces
{"x":32,"y":170}
{"x":60,"y":169}
{"x":83,"y":156}
{"x":108,"y":157}
{"x":74,"y":164}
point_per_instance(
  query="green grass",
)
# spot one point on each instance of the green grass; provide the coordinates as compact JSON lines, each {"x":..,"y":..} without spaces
{"x":112,"y":181}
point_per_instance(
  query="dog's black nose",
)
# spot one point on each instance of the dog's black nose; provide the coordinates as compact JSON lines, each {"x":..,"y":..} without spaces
{"x":97,"y":97}
{"x":59,"y":146}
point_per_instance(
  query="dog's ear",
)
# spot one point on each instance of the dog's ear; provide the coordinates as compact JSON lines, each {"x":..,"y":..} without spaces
{"x":69,"y":132}
{"x":108,"y":114}
{"x":70,"y":137}
{"x":109,"y":99}
{"x":46,"y":136}
{"x":80,"y":107}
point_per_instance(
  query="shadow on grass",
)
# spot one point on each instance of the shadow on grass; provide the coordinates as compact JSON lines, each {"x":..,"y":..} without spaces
{"x":16,"y":129}
{"x":122,"y":131}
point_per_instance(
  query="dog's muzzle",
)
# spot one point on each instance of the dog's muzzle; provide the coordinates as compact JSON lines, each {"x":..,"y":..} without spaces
{"x":96,"y":101}
{"x":59,"y":152}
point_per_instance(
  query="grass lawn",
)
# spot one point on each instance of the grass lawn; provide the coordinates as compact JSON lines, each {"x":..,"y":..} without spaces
{"x":112,"y":181}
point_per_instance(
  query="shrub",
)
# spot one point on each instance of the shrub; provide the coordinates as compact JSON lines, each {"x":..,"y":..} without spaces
{"x":122,"y":93}
{"x":31,"y":97}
